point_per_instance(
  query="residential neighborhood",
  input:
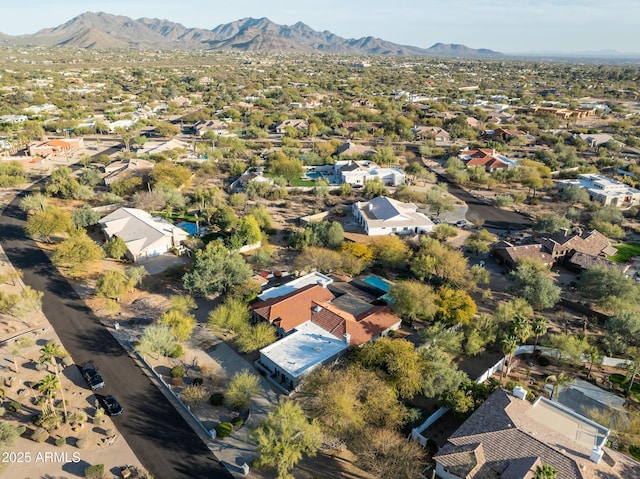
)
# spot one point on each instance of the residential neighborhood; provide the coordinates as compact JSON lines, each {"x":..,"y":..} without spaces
{"x":300,"y":265}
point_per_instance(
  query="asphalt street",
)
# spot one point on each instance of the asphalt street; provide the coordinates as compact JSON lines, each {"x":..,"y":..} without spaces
{"x":493,"y":216}
{"x":161,"y":439}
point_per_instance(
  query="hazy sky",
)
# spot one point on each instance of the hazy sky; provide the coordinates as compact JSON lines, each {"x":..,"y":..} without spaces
{"x":504,"y":25}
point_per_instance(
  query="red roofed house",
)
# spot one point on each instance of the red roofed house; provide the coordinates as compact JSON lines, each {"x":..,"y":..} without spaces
{"x":489,"y":159}
{"x":56,"y":147}
{"x":290,"y":310}
{"x":359,"y":329}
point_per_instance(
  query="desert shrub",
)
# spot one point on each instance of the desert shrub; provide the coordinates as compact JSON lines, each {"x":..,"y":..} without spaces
{"x":3,"y":411}
{"x":224,"y":429}
{"x":81,"y":443}
{"x":94,"y":472}
{"x":40,"y":435}
{"x":237,"y":422}
{"x":216,"y":399}
{"x":20,"y":430}
{"x":542,"y":361}
{"x":177,"y":352}
{"x":109,"y":432}
{"x":177,"y":372}
{"x":14,"y":406}
{"x":198,"y":381}
{"x":61,"y":441}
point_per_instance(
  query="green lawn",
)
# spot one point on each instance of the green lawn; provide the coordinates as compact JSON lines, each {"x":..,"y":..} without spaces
{"x":301,"y":182}
{"x":625,"y":252}
{"x":621,"y":380}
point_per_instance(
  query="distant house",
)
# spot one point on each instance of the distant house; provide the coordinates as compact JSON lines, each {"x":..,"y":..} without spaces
{"x":423,"y":132}
{"x":506,"y":135}
{"x":249,"y":176}
{"x":588,"y":248}
{"x":604,"y":190}
{"x":487,"y":158}
{"x":359,"y":172}
{"x":595,"y":140}
{"x":295,"y":284}
{"x":215,"y":126}
{"x":354,"y":149}
{"x":146,"y":236}
{"x":57,"y":147}
{"x":385,"y":216}
{"x":300,"y":125}
{"x":508,"y":437}
{"x":510,"y":255}
{"x":13,"y":119}
{"x":160,"y":148}
{"x":125,"y":168}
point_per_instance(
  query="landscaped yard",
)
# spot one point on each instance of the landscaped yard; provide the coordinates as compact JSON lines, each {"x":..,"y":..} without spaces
{"x":625,"y":252}
{"x":623,"y":382}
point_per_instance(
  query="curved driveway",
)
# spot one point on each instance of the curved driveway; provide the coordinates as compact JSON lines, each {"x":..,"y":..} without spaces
{"x":158,"y":435}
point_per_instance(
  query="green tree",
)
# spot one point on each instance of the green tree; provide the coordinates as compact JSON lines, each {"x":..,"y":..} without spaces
{"x":77,"y":251}
{"x":443,"y":232}
{"x":61,"y":183}
{"x":390,"y":251}
{"x":313,"y":258}
{"x":602,"y":283}
{"x":397,"y":361}
{"x":48,"y":223}
{"x":575,"y":194}
{"x":520,"y":328}
{"x":136,"y":274}
{"x":413,"y":300}
{"x":454,"y":306}
{"x":215,"y":270}
{"x":157,"y":340}
{"x":48,"y":386}
{"x":34,"y":202}
{"x":538,"y":328}
{"x":247,"y":232}
{"x":167,"y":173}
{"x":348,"y":400}
{"x":285,"y":437}
{"x":115,"y":248}
{"x":242,"y":387}
{"x":441,"y":373}
{"x":509,"y":344}
{"x":439,"y":199}
{"x":560,"y":380}
{"x":534,"y":285}
{"x":374,"y":188}
{"x":232,"y":314}
{"x":479,"y":241}
{"x":85,"y":216}
{"x":254,"y":338}
{"x":112,"y":284}
{"x":224,"y":218}
{"x":49,"y":352}
{"x":440,"y":335}
{"x":551,"y":223}
{"x":181,"y":323}
{"x":167,"y":129}
{"x":288,"y":168}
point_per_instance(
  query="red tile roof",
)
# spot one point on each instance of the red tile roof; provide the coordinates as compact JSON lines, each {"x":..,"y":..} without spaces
{"x":362,"y":328}
{"x":292,"y":309}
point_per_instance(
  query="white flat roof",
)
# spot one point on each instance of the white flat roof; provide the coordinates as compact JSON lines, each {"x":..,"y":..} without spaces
{"x":307,"y":347}
{"x":301,"y":282}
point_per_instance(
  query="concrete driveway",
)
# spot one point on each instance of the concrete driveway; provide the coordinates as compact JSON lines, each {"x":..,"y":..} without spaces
{"x":159,"y":264}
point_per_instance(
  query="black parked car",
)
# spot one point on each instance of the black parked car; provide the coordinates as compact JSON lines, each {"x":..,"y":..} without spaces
{"x":110,"y":405}
{"x":93,"y":377}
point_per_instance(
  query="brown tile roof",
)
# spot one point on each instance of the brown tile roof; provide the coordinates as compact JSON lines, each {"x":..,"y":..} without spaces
{"x":590,"y":242}
{"x":362,"y":328}
{"x":292,"y":309}
{"x":513,"y":254}
{"x":513,"y":440}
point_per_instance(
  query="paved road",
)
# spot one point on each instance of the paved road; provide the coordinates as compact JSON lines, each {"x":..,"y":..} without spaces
{"x":158,"y":435}
{"x":493,"y":216}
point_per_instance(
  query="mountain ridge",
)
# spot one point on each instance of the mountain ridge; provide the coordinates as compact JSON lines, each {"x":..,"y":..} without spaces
{"x":104,"y":31}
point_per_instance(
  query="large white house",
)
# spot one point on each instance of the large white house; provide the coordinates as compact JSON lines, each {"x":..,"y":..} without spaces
{"x":146,"y":236}
{"x":359,"y":172}
{"x":604,"y":190}
{"x":385,"y":216}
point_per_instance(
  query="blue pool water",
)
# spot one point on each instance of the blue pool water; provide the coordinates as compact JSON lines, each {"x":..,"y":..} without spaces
{"x":314,"y":175}
{"x":190,"y":228}
{"x":378,"y":282}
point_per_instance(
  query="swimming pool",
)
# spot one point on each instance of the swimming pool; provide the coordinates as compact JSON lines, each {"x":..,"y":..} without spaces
{"x":378,"y":282}
{"x":190,"y":228}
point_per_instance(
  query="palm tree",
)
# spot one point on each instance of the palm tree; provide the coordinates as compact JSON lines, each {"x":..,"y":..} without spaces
{"x":545,"y":471}
{"x":48,"y":386}
{"x":521,"y":328}
{"x":561,"y":380}
{"x":632,"y":369}
{"x":509,"y":345}
{"x":49,"y":352}
{"x":538,"y":328}
{"x":595,"y":355}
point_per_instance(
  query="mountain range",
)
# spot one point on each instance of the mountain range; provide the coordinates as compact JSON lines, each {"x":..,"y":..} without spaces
{"x":104,"y":31}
